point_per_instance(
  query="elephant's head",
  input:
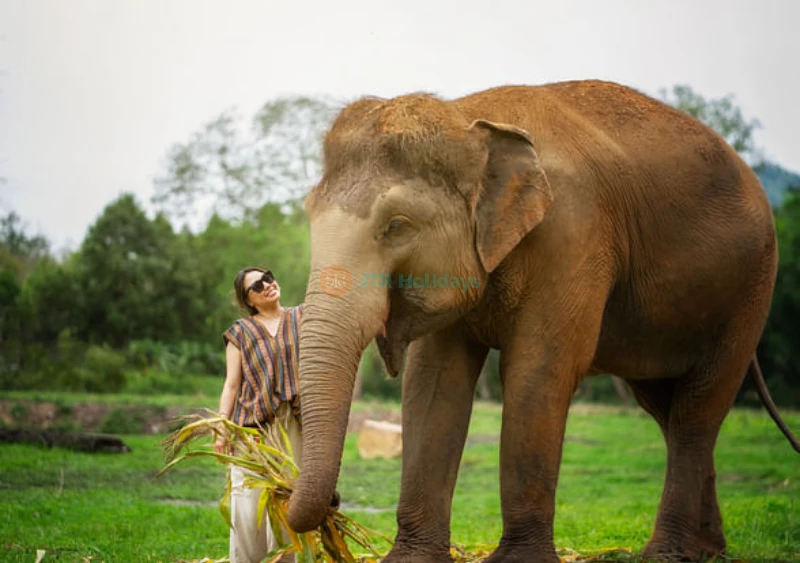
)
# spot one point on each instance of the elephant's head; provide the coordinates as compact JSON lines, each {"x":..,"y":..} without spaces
{"x":411,"y":187}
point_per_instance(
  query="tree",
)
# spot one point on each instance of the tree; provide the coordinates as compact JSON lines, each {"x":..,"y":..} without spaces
{"x":230,"y":172}
{"x":10,"y":324}
{"x":48,"y":300}
{"x":778,"y":348}
{"x":275,"y":238}
{"x":721,"y":114}
{"x":18,"y":250}
{"x":134,"y":284}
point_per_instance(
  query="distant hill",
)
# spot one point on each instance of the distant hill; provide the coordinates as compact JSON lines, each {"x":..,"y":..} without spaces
{"x":776,"y":180}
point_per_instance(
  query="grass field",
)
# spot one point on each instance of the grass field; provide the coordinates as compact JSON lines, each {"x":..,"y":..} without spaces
{"x":107,"y":507}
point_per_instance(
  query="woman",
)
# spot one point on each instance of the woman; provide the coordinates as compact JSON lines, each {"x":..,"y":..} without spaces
{"x":261,"y":352}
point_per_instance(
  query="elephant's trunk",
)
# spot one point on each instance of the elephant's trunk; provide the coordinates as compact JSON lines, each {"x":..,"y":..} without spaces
{"x":335,"y":331}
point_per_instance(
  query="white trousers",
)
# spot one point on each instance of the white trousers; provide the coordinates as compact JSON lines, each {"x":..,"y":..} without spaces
{"x":249,"y":542}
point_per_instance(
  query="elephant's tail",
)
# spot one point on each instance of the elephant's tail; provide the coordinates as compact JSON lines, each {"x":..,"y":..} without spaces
{"x":754,"y":371}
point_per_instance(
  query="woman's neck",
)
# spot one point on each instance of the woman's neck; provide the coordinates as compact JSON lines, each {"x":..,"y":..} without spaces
{"x":270,"y":312}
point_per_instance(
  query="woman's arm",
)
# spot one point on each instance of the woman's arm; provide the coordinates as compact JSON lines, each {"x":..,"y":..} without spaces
{"x":233,"y":383}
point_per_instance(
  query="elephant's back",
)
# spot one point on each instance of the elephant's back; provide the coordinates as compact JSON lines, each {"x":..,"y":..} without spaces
{"x":658,"y":173}
{"x":569,"y":111}
{"x":608,"y":131}
{"x":686,"y":220}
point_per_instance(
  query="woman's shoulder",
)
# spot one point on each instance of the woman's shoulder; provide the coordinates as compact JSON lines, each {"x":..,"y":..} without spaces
{"x":241,"y":323}
{"x":238,"y":326}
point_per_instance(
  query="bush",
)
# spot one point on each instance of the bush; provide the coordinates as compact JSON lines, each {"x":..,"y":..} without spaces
{"x":103,"y":371}
{"x":121,"y":420}
{"x":201,"y":357}
{"x":158,"y":383}
{"x":68,"y":365}
{"x":142,"y":354}
{"x":29,"y":373}
{"x":185,"y":357}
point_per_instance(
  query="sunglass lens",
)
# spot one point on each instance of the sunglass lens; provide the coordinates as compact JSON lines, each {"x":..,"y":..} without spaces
{"x":258,"y":285}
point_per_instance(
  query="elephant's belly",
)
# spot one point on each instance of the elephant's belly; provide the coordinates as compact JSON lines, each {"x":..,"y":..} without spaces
{"x":638,"y":358}
{"x":658,"y":344}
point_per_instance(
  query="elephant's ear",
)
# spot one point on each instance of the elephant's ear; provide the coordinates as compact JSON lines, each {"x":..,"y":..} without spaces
{"x":515,"y":192}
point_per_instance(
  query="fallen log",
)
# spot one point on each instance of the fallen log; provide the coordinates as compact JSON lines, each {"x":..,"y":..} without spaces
{"x":82,"y":442}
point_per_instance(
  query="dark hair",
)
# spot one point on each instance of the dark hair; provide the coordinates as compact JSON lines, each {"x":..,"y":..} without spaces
{"x":240,"y":290}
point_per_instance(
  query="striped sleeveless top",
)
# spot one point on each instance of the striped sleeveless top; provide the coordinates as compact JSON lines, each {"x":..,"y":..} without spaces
{"x":269,"y":367}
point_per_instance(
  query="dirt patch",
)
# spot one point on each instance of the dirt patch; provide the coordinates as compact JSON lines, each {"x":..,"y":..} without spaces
{"x":90,"y":417}
{"x":125,"y":419}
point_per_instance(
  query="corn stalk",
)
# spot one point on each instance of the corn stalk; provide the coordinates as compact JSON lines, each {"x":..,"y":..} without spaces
{"x":267,"y":454}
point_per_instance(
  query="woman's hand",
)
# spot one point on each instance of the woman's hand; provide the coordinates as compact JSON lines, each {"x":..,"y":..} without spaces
{"x":221,"y":445}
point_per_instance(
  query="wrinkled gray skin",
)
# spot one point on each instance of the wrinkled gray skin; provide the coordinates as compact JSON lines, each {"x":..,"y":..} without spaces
{"x":605,"y":232}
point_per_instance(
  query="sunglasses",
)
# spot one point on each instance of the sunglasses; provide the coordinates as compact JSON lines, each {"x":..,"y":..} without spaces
{"x":258,"y":286}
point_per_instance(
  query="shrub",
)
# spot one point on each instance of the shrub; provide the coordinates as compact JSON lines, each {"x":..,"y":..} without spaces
{"x":121,"y":420}
{"x":103,"y":371}
{"x":184,"y":357}
{"x":159,"y":383}
{"x":142,"y":354}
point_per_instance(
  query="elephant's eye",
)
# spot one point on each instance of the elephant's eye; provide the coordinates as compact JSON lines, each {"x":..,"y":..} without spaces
{"x":397,"y":231}
{"x":395,"y":227}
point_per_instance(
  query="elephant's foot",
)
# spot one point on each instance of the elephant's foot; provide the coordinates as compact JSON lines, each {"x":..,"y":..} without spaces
{"x":673,"y":540}
{"x":403,"y":553}
{"x":701,"y":547}
{"x":522,"y":554}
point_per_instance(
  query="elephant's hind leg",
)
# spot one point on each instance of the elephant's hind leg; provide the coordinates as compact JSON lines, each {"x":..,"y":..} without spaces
{"x":657,"y":397}
{"x":690,"y":411}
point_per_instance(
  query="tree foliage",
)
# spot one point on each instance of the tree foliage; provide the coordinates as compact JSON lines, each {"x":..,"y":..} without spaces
{"x":19,"y":251}
{"x":721,"y":114}
{"x":161,"y":299}
{"x":139,"y":280}
{"x":778,"y":349}
{"x":232,"y":171}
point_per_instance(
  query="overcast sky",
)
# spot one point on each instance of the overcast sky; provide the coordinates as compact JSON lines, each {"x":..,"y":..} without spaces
{"x":93,"y":93}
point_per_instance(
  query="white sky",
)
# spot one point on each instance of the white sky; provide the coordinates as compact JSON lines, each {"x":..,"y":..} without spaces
{"x":93,"y":93}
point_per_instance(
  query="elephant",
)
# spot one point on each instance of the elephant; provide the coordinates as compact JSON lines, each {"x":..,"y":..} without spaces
{"x":579,"y":228}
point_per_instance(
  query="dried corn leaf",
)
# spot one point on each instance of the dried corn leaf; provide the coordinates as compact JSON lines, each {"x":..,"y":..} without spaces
{"x":266,"y":454}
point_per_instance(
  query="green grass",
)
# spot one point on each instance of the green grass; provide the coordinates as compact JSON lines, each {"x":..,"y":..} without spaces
{"x":109,"y":508}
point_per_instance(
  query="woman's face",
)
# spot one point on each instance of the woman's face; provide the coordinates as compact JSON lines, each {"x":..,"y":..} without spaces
{"x":269,"y":294}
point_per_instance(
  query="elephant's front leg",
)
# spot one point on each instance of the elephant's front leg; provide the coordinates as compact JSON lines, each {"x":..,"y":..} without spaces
{"x":438,"y":391}
{"x":536,"y":398}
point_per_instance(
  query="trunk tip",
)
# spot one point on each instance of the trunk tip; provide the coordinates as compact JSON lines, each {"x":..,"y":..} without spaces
{"x":304,"y":516}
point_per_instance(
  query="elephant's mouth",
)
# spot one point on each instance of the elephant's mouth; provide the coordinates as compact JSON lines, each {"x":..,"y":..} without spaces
{"x":392,"y":351}
{"x":407,"y":319}
{"x":392,"y":342}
